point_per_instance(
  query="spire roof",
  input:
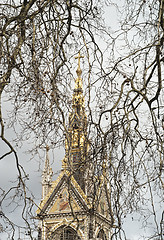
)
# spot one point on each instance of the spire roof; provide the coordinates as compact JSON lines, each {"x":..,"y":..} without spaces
{"x":76,"y":143}
{"x":47,"y":172}
{"x":47,"y":161}
{"x":77,"y":118}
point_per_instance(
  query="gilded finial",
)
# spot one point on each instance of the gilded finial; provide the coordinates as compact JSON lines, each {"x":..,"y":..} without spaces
{"x":78,"y":81}
{"x":78,"y":71}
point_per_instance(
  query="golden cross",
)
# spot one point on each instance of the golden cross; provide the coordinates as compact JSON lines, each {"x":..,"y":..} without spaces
{"x":78,"y":57}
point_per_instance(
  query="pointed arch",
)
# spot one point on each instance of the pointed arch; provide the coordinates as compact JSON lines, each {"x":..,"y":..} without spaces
{"x":101,"y":235}
{"x":65,"y":232}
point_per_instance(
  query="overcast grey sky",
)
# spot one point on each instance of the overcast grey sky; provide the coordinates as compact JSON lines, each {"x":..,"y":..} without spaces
{"x":8,"y":172}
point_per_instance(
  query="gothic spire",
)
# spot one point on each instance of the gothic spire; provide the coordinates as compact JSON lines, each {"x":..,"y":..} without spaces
{"x":47,"y":161}
{"x":46,"y":175}
{"x":76,"y":146}
{"x":77,"y":118}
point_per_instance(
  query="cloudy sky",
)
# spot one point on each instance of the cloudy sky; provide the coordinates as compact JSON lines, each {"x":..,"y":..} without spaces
{"x":34,"y":165}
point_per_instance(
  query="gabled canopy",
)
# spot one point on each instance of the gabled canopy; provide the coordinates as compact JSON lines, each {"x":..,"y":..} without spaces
{"x":65,"y":195}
